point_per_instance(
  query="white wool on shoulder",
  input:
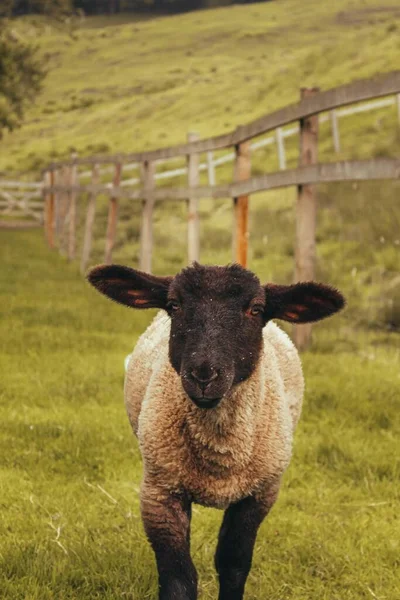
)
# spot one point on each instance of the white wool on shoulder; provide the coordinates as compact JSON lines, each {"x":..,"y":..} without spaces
{"x":221,"y":455}
{"x":126,"y":362}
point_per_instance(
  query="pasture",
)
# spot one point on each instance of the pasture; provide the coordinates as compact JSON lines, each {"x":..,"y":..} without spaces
{"x":70,"y":467}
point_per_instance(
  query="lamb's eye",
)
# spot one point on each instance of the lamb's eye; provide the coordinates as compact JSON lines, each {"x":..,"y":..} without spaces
{"x":256,"y":310}
{"x":173,"y":305}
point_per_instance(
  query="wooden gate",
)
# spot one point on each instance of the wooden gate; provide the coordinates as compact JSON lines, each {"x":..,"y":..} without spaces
{"x":21,"y":200}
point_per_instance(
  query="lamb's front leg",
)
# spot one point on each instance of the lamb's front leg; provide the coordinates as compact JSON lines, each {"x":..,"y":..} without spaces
{"x":236,"y":541}
{"x":166,"y":520}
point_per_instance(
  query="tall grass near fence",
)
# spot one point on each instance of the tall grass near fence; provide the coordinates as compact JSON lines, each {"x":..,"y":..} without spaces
{"x":358,"y":242}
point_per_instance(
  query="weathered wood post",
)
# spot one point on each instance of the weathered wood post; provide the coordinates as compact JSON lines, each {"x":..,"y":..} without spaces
{"x":91,"y":210}
{"x":398,"y":107}
{"x":58,"y":199}
{"x":45,"y":195}
{"x":193,"y":203}
{"x":48,"y":182}
{"x":280,"y":144}
{"x":210,"y":168}
{"x":57,"y":180}
{"x":73,"y":181}
{"x":64,"y":208}
{"x":112,"y":215}
{"x":242,"y":171}
{"x":306,"y":214}
{"x":52,"y":210}
{"x":335,"y":130}
{"x":146,"y":238}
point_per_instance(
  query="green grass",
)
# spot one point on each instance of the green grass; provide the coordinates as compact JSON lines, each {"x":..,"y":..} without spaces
{"x":70,"y":467}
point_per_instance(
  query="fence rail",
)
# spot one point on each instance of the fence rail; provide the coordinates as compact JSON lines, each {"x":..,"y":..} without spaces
{"x":352,"y":93}
{"x":356,"y":170}
{"x":20,"y":198}
{"x":278,"y":139}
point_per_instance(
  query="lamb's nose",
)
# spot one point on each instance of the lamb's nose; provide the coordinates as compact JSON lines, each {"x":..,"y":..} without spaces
{"x":204,"y":377}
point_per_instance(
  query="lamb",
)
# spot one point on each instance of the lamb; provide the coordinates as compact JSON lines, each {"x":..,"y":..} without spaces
{"x":213,"y":392}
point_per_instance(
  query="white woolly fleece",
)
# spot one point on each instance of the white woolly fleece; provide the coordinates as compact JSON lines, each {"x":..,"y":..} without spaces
{"x":217,"y":456}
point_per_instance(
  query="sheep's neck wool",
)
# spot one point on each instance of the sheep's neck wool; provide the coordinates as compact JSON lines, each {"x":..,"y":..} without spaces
{"x":220,"y":455}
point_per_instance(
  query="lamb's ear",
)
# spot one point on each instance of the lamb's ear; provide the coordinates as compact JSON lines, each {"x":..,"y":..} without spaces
{"x":301,"y":302}
{"x":130,"y":287}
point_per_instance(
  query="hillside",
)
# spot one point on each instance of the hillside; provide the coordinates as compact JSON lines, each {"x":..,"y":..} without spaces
{"x":145,"y":84}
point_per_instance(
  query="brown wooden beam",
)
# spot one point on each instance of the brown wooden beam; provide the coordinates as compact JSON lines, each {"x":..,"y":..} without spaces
{"x":146,"y":237}
{"x":112,"y":216}
{"x":193,"y":230}
{"x":91,"y":210}
{"x":348,"y":170}
{"x":242,"y":172}
{"x":306,"y":215}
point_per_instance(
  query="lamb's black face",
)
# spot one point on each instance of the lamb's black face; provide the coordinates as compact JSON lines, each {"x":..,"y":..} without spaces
{"x":216,"y":329}
{"x":217,"y":316}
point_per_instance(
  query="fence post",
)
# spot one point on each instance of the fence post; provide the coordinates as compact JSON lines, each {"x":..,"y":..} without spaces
{"x":242,"y":171}
{"x":146,"y":238}
{"x":57,"y":179}
{"x":73,"y":180}
{"x":280,"y":144}
{"x":306,"y":214}
{"x":91,"y":210}
{"x":193,"y":203}
{"x":52,"y":212}
{"x":64,"y":208}
{"x":398,"y":107}
{"x":112,"y":216}
{"x":49,"y":208}
{"x":210,"y":168}
{"x":46,"y":183}
{"x":335,"y":130}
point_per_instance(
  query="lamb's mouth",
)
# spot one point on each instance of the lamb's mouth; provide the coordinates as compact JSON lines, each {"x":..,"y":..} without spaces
{"x":205,"y":402}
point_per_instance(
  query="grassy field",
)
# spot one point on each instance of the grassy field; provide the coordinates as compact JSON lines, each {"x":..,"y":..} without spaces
{"x":70,"y":467}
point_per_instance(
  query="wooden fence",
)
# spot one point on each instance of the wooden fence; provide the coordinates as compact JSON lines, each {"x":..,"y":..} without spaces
{"x":61,"y":187}
{"x":21,"y":199}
